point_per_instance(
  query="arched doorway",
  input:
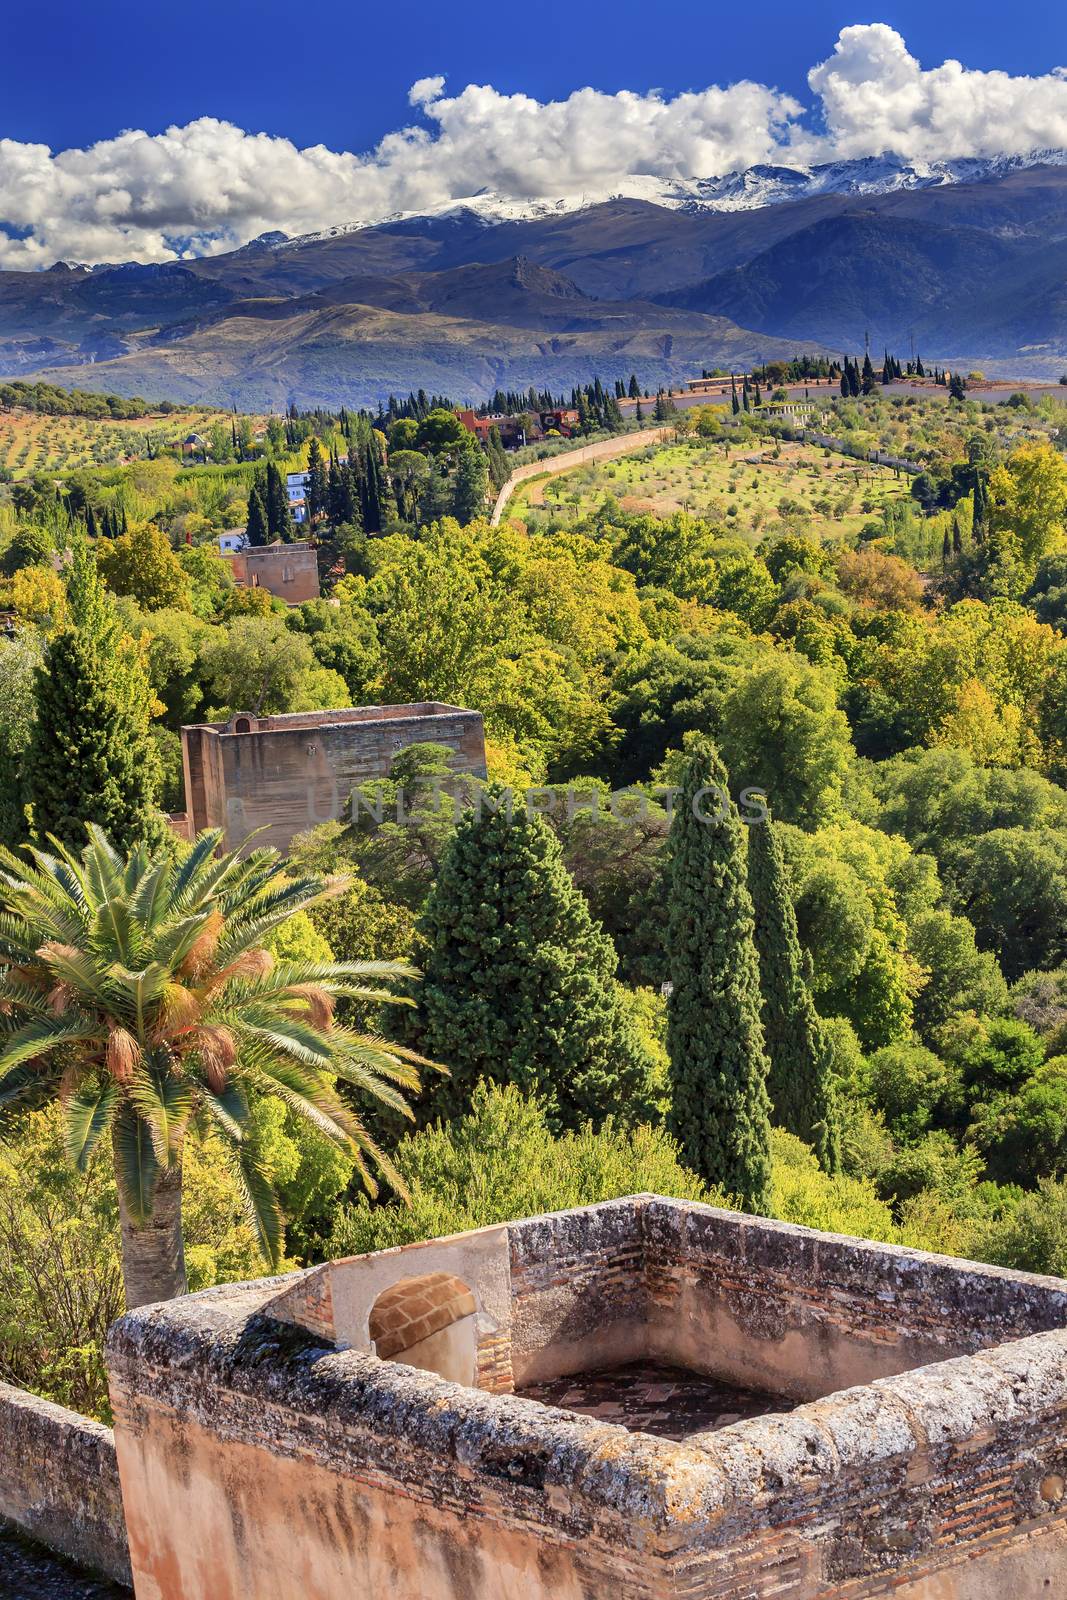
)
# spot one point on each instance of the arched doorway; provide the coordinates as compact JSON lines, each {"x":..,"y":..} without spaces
{"x":428,"y":1322}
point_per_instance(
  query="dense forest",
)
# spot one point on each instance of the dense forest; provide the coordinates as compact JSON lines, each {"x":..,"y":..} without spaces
{"x":887,"y":1050}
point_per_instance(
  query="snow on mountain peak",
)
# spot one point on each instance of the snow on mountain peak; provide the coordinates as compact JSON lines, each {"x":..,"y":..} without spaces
{"x":746,"y":190}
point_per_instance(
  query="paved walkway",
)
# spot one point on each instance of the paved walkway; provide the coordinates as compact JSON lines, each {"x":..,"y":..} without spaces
{"x":29,"y":1573}
{"x":648,"y":1398}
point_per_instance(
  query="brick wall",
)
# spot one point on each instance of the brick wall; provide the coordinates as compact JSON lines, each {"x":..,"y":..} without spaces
{"x":59,"y":1482}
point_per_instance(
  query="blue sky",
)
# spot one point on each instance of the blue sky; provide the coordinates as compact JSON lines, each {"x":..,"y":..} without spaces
{"x":75,"y":73}
{"x":148,"y":134}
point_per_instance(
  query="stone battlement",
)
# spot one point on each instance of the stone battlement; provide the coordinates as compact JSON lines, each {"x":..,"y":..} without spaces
{"x":266,"y":1447}
{"x":276,"y":776}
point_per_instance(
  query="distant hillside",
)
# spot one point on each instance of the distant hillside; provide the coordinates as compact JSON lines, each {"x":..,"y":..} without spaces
{"x":969,"y":270}
{"x":261,"y":356}
{"x":860,"y":274}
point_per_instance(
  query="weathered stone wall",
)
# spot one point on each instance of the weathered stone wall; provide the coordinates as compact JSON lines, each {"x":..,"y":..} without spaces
{"x":289,"y":571}
{"x":769,"y":1306}
{"x":577,"y":1291}
{"x":59,"y":1482}
{"x":287,"y":774}
{"x":300,"y":1466}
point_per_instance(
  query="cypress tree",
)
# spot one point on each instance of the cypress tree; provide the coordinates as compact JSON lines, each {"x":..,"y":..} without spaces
{"x":317,"y":494}
{"x":90,"y":520}
{"x":946,"y":549}
{"x":256,"y":530}
{"x":718,"y":1064}
{"x":799,"y":1081}
{"x":472,"y":485}
{"x":279,"y":516}
{"x":91,"y":757}
{"x":518,"y":980}
{"x":735,"y":404}
{"x":981,"y":507}
{"x":372,"y":498}
{"x":957,"y":541}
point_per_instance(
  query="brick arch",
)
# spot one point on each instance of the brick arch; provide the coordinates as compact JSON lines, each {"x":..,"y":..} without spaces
{"x":415,"y":1309}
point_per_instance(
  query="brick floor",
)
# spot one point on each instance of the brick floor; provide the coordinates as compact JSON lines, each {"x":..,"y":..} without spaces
{"x":647,"y":1398}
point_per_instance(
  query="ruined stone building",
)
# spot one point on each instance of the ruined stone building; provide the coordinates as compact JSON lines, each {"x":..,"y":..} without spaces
{"x":284,"y":774}
{"x":646,"y":1399}
{"x":289,"y":571}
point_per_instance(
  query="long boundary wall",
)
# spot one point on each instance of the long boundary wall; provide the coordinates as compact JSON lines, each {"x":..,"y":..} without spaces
{"x":59,"y":1482}
{"x":552,"y":466}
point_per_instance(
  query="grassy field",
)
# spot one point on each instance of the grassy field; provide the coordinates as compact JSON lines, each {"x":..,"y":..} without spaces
{"x":761,"y":491}
{"x":34,"y":442}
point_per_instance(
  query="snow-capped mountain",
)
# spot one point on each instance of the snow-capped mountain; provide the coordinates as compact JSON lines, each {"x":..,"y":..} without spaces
{"x":734,"y":191}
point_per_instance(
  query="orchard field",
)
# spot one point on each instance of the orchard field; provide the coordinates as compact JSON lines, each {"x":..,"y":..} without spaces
{"x":34,"y":441}
{"x":757,"y":489}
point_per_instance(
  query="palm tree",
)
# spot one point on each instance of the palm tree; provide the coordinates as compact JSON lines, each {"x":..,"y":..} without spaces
{"x":138,"y":991}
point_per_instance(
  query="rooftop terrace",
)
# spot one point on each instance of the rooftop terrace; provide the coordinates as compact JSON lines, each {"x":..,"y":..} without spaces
{"x":646,"y":1400}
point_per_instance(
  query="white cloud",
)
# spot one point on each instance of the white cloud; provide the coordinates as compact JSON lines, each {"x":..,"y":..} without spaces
{"x":876,"y":97}
{"x":209,"y":186}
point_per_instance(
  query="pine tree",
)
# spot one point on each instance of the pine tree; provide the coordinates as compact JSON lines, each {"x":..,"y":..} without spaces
{"x":718,"y":1064}
{"x":635,"y":387}
{"x":91,"y":757}
{"x":799,"y":1081}
{"x":518,"y":980}
{"x":256,"y":531}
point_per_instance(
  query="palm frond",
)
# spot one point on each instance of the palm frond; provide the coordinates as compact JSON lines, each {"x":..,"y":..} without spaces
{"x":164,"y":1104}
{"x":229,"y":1109}
{"x":136,"y":1167}
{"x":41,"y":1035}
{"x":87,"y":1115}
{"x":261,"y":1205}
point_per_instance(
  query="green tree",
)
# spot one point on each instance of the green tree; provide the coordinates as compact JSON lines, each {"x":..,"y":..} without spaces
{"x":799,"y":1083}
{"x":142,"y":564}
{"x":91,"y":758}
{"x":519,"y":982}
{"x":316,"y":497}
{"x":472,"y":486}
{"x":279,"y":516}
{"x":139,"y":993}
{"x":718,"y":1064}
{"x":19,"y":663}
{"x":259,"y":664}
{"x":782,"y":732}
{"x":257,"y":531}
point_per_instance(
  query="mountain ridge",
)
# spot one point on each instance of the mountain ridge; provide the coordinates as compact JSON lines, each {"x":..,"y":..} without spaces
{"x":973,"y":270}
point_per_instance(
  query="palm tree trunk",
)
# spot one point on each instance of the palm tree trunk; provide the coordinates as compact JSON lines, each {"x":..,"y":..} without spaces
{"x":153,"y":1255}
